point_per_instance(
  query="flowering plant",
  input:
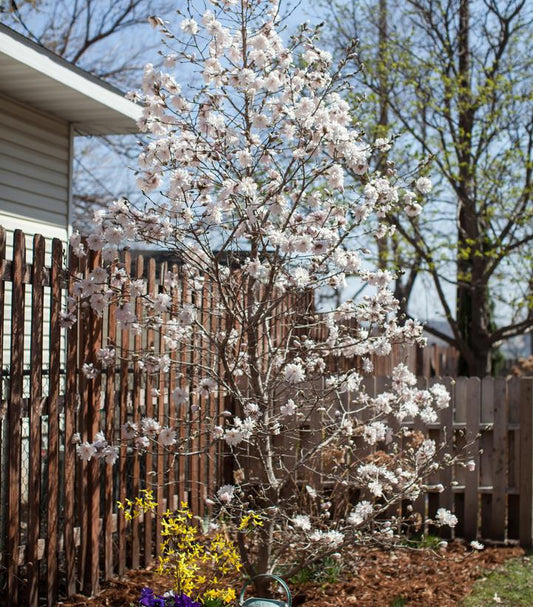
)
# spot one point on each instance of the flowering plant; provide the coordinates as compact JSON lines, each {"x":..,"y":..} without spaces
{"x":195,"y":563}
{"x":257,"y":178}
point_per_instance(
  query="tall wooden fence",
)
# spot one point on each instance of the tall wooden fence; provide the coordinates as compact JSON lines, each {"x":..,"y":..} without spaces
{"x":60,"y":531}
{"x":489,"y":423}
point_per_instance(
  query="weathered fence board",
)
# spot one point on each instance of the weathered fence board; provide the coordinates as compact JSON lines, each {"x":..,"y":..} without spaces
{"x":55,"y":347}
{"x":14,"y":416}
{"x":36,"y":390}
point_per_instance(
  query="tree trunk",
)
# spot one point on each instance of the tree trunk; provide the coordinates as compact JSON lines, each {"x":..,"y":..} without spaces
{"x":473,"y":301}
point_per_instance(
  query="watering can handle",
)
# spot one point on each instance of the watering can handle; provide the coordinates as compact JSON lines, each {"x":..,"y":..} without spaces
{"x":274,"y":577}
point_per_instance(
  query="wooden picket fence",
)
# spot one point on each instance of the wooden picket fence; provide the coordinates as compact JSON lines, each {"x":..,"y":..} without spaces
{"x":60,"y":530}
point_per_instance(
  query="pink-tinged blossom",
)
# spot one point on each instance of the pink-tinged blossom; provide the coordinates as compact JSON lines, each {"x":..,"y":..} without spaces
{"x":426,"y":452}
{"x":374,"y":432}
{"x":129,"y":430}
{"x":89,"y":371}
{"x":150,"y":426}
{"x":289,"y":408}
{"x":167,"y":437}
{"x":106,"y":356}
{"x":189,"y":26}
{"x":110,"y":455}
{"x":78,"y":248}
{"x":218,"y":432}
{"x":142,"y":442}
{"x":252,"y":409}
{"x":233,"y":437}
{"x":86,"y":451}
{"x":226,"y":493}
{"x":207,"y":387}
{"x":362,"y":511}
{"x":99,"y":440}
{"x":332,"y":539}
{"x":187,"y":314}
{"x":180,"y":396}
{"x":441,"y":396}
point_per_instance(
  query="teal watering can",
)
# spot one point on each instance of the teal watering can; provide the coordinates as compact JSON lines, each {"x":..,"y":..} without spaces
{"x":258,"y":602}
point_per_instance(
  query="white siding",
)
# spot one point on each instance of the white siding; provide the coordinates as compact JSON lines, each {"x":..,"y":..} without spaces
{"x":34,"y":171}
{"x":34,"y":193}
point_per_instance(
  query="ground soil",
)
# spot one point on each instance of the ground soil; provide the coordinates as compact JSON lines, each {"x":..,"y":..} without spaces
{"x":422,"y":578}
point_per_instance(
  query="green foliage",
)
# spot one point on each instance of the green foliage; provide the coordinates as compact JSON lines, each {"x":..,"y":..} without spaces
{"x":423,"y":541}
{"x":512,"y":584}
{"x":325,"y":571}
{"x":329,"y":571}
{"x":213,"y":603}
{"x":398,"y":601}
{"x":306,"y":574}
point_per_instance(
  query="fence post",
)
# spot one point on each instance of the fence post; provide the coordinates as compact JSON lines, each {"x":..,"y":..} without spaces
{"x":526,"y":463}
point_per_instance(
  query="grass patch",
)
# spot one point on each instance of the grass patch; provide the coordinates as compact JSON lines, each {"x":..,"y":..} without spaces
{"x":510,"y":585}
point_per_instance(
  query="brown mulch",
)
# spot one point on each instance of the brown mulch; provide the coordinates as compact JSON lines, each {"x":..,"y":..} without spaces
{"x":422,"y":578}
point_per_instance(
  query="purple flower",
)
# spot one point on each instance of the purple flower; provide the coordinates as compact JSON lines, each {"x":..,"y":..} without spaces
{"x":185,"y":601}
{"x":149,"y":599}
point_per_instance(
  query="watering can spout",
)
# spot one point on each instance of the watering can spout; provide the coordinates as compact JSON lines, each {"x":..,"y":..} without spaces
{"x":264,"y":602}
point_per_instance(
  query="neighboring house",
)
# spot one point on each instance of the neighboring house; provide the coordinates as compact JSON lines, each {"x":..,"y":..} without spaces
{"x":44,"y":102}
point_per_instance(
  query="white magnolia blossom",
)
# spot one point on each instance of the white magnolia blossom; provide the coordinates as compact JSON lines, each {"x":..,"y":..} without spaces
{"x":362,"y":511}
{"x":445,"y":517}
{"x":289,"y":408}
{"x":424,"y":185}
{"x":167,"y":436}
{"x":332,"y":539}
{"x":86,"y":451}
{"x":89,"y":370}
{"x":302,"y":521}
{"x":294,"y":373}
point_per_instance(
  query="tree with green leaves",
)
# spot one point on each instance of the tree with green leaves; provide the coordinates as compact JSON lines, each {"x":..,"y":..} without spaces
{"x":455,"y":77}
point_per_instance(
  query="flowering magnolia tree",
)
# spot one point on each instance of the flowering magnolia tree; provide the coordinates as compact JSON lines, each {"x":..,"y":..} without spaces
{"x":245,"y":181}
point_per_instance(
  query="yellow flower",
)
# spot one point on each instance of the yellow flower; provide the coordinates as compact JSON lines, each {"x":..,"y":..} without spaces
{"x":250,"y":520}
{"x":227,"y":595}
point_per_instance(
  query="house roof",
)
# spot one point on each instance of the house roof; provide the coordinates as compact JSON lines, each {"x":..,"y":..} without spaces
{"x":41,"y":79}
